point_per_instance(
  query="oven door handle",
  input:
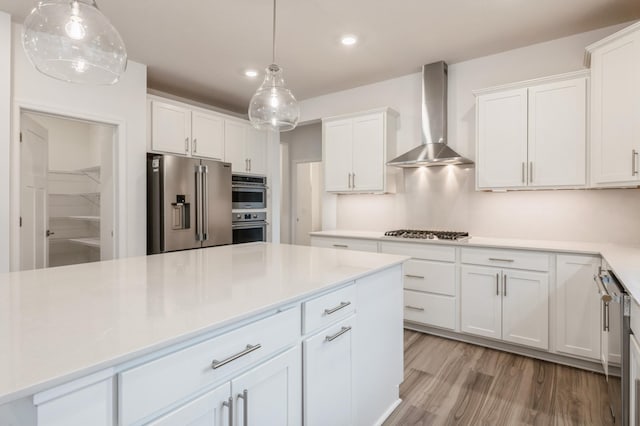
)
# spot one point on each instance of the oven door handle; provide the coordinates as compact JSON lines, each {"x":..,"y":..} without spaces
{"x":249,"y":226}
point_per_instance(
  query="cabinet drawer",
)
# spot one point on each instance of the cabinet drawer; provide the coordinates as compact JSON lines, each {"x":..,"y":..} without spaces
{"x":345,"y":244}
{"x":420,"y":251}
{"x":434,"y":277}
{"x":506,"y":259}
{"x":430,"y":309}
{"x":152,"y":386}
{"x":326,"y":309}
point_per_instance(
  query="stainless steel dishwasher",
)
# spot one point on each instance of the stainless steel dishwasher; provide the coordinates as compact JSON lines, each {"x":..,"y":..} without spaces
{"x":615,"y":332}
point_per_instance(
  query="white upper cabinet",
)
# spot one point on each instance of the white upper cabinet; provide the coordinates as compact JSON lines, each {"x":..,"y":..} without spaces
{"x":502,"y":139}
{"x":170,"y":128}
{"x":533,"y":134}
{"x":208,"y":135}
{"x":182,"y":129}
{"x":615,"y":109}
{"x":338,"y":155}
{"x":355,"y":150}
{"x":245,"y":148}
{"x":558,"y":133}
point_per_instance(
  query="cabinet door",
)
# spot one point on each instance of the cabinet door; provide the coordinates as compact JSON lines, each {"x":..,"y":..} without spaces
{"x":328,"y":360}
{"x":170,"y":128}
{"x":257,"y":151}
{"x":502,"y":139}
{"x":207,"y":131}
{"x":235,"y":140}
{"x":338,"y":154}
{"x":270,"y":394}
{"x":557,"y":134}
{"x":525,"y":312}
{"x":481,"y":302}
{"x":577,"y":306}
{"x":368,"y":153}
{"x":615,"y":110}
{"x":207,"y":410}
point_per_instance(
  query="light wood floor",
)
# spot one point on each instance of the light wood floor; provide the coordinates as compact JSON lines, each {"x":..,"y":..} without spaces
{"x":454,"y":383}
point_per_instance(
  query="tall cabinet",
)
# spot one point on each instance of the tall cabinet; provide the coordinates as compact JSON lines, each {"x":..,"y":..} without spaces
{"x":355,"y":149}
{"x":615,"y":108}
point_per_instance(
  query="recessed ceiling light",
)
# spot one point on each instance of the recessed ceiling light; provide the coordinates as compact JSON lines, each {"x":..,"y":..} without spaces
{"x":251,"y":73}
{"x":349,"y":40}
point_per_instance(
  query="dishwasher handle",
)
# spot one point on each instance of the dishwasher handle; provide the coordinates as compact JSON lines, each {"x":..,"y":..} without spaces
{"x":602,"y":289}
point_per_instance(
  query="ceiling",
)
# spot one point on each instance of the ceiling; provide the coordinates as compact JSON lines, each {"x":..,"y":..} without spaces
{"x":199,"y":49}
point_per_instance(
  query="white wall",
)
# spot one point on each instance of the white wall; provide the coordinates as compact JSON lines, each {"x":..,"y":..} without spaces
{"x":123,"y":104}
{"x":70,"y":144}
{"x":445,"y":197}
{"x":5,"y":136}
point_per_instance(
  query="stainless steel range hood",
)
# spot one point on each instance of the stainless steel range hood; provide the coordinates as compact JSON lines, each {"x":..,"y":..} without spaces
{"x":434,"y":150}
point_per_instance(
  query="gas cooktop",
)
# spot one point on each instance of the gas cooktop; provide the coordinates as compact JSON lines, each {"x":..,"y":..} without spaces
{"x":428,"y":235}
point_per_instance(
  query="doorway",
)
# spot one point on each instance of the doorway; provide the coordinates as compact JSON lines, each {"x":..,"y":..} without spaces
{"x":66,"y":191}
{"x":307,"y":204}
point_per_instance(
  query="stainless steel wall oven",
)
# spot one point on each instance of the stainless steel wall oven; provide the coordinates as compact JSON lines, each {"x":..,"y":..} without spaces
{"x":249,"y":227}
{"x":249,"y":192}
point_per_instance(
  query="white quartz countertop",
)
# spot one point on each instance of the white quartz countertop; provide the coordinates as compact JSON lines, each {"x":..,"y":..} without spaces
{"x":61,"y":323}
{"x":624,"y":260}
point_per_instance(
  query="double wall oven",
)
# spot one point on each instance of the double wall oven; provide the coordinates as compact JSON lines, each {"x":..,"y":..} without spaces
{"x":249,"y":203}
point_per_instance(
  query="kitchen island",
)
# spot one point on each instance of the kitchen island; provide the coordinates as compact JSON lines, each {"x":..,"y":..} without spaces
{"x":119,"y":341}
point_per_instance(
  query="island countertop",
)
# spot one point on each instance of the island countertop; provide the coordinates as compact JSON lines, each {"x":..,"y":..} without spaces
{"x":61,"y":323}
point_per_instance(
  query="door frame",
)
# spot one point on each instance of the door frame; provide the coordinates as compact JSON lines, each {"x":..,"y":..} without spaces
{"x":293,"y":184}
{"x":119,"y":172}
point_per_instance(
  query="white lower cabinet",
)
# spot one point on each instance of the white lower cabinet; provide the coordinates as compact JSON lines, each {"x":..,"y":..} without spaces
{"x":481,"y":301}
{"x":328,"y":372}
{"x":270,"y":393}
{"x":525,"y":308}
{"x":577,"y":306}
{"x":509,"y":305}
{"x":429,"y":283}
{"x":214,"y":408}
{"x":345,"y":244}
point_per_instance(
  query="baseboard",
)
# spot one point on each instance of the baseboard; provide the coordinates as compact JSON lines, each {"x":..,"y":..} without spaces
{"x":387,"y":413}
{"x":532,"y":353}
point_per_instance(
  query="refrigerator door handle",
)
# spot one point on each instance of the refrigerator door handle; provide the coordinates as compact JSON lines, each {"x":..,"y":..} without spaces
{"x":199,"y":206}
{"x":205,"y":203}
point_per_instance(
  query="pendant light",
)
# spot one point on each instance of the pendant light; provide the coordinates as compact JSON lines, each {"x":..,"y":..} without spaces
{"x":71,"y":40}
{"x":273,"y":106}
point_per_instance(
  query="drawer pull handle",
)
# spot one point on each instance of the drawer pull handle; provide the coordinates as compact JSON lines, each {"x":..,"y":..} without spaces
{"x":337,"y":308}
{"x":338,"y":334}
{"x":414,"y":308}
{"x":215,"y":364}
{"x":229,"y":405}
{"x":341,"y":245}
{"x":245,"y":407}
{"x":419,"y":277}
{"x":495,"y":259}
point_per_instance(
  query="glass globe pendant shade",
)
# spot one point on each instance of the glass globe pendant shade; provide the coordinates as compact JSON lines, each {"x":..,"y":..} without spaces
{"x":73,"y":41}
{"x":273,"y":106}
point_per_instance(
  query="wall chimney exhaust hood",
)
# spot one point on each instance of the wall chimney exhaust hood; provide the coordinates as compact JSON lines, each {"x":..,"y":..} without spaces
{"x":434,"y":150}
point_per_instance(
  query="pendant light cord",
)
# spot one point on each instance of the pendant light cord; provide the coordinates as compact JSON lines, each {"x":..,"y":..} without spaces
{"x":274,"y":33}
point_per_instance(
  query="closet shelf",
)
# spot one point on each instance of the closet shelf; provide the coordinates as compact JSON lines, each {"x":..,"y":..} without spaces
{"x":85,"y":218}
{"x":89,"y":242}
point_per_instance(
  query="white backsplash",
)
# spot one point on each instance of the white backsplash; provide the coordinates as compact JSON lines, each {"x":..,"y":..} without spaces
{"x":444,"y":198}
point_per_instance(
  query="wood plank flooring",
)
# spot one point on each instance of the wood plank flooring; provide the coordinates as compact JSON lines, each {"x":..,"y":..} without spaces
{"x":455,"y":383}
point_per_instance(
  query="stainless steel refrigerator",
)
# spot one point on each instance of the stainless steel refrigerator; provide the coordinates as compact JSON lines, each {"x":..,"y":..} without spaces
{"x":188,"y":203}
